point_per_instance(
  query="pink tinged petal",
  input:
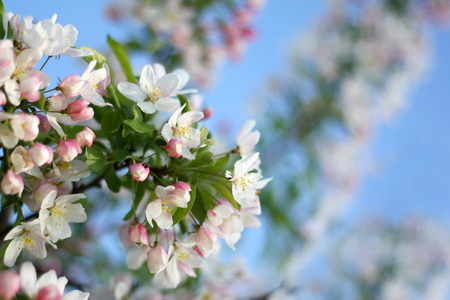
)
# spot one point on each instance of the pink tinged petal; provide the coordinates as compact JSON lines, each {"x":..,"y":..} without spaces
{"x":136,"y":257}
{"x":147,"y":107}
{"x":174,"y":148}
{"x":28,"y":276}
{"x":131,"y":91}
{"x":12,"y":252}
{"x":164,"y":220}
{"x":153,"y":210}
{"x":176,"y":201}
{"x":49,"y":292}
{"x":161,"y":191}
{"x":157,"y":259}
{"x":75,"y":295}
{"x":71,"y":85}
{"x":214,"y":218}
{"x":187,"y":269}
{"x":85,"y":137}
{"x":12,"y":184}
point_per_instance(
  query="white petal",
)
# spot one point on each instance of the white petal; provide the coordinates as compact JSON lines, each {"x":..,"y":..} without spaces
{"x":136,"y":257}
{"x":28,"y":278}
{"x":164,"y":220}
{"x":131,"y":91}
{"x":147,"y":107}
{"x":147,"y":78}
{"x":12,"y":252}
{"x":47,"y":279}
{"x":75,"y":295}
{"x":167,"y":104}
{"x":153,"y":210}
{"x":168,"y":84}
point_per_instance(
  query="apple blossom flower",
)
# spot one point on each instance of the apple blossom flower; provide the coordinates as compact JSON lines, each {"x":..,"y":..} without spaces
{"x":48,"y":286}
{"x":158,"y":209}
{"x":28,"y":236}
{"x":8,"y":139}
{"x":180,"y":127}
{"x":183,"y":259}
{"x":3,"y":99}
{"x":25,"y":126}
{"x":69,"y":171}
{"x":57,"y":212}
{"x":85,"y":137}
{"x":68,"y":150}
{"x":21,"y":161}
{"x":205,"y":241}
{"x":247,"y":139}
{"x":43,"y":191}
{"x":224,"y":221}
{"x":12,"y":184}
{"x":40,"y":154}
{"x":157,"y":259}
{"x":30,"y":85}
{"x":96,"y":83}
{"x":243,"y":178}
{"x":139,"y":172}
{"x":207,"y":112}
{"x":174,"y":148}
{"x":79,"y":111}
{"x":153,"y":93}
{"x":9,"y":284}
{"x":7,"y":60}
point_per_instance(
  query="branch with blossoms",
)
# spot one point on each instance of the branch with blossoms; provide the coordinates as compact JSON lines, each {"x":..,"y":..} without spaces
{"x":140,"y":138}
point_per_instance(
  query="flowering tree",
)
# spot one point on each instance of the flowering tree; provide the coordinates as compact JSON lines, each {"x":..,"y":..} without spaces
{"x":140,"y":140}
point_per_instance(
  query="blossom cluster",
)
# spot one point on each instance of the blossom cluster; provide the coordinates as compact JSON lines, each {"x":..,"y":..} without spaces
{"x":193,"y":35}
{"x":48,"y":286}
{"x":39,"y":159}
{"x":56,"y":137}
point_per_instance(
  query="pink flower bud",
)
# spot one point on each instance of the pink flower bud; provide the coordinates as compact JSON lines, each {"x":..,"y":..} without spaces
{"x":157,"y":259}
{"x":138,"y":234}
{"x":12,"y":184}
{"x":71,"y":85}
{"x":40,"y":154}
{"x":79,"y":111}
{"x":9,"y":284}
{"x":44,"y":190}
{"x":68,"y":150}
{"x":44,"y":124}
{"x":174,"y":148}
{"x":139,"y":172}
{"x":3,"y":98}
{"x":207,"y":113}
{"x":25,"y":126}
{"x":85,"y":137}
{"x":205,"y":240}
{"x":29,"y":87}
{"x":49,"y":292}
{"x":58,"y":102}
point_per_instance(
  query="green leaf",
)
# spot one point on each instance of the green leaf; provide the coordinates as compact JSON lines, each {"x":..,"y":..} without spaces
{"x":2,"y":12}
{"x":180,"y":213}
{"x":129,"y":215}
{"x":113,"y":181}
{"x":219,"y":165}
{"x":224,"y":187}
{"x":111,"y":122}
{"x":100,"y":58}
{"x":137,"y":113}
{"x":41,"y":102}
{"x":96,"y":160}
{"x":122,"y":57}
{"x":184,"y":100}
{"x":122,"y":154}
{"x":204,"y":159}
{"x":139,"y":126}
{"x":8,"y":200}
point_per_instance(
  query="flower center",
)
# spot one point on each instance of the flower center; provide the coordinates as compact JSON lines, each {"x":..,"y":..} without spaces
{"x":183,"y":257}
{"x":154,"y":93}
